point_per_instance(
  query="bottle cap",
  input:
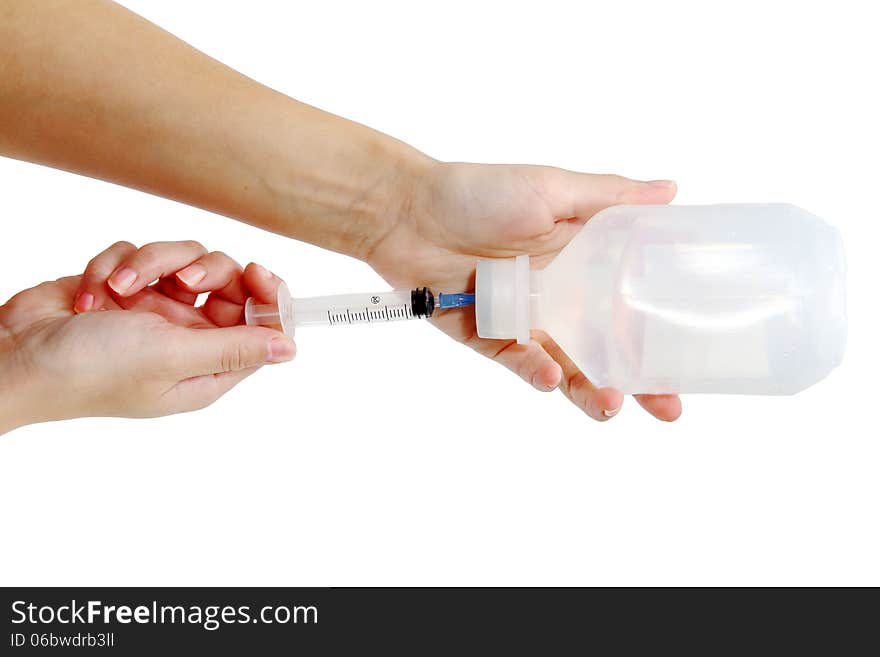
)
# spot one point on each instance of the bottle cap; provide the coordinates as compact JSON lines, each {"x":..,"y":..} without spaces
{"x":502,"y":288}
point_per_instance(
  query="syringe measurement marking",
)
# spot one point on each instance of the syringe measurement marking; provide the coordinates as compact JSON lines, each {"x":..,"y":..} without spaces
{"x":369,"y":315}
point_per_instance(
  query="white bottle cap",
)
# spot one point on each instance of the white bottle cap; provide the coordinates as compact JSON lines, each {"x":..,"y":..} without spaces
{"x":502,"y":289}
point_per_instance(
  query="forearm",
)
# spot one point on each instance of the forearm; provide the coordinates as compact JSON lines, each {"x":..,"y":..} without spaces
{"x":90,"y":87}
{"x":14,"y":404}
{"x":9,"y":415}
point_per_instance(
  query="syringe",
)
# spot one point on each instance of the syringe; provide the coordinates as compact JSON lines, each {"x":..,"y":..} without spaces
{"x":367,"y":308}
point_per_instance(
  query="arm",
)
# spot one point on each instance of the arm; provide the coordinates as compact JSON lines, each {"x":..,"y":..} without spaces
{"x":14,"y":394}
{"x":87,"y":86}
{"x":90,"y":87}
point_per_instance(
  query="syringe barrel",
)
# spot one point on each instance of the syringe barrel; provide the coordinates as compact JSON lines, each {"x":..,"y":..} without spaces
{"x":364,"y":308}
{"x":353,"y":308}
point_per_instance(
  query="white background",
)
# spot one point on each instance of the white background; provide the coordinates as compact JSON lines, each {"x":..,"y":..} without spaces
{"x":392,"y":455}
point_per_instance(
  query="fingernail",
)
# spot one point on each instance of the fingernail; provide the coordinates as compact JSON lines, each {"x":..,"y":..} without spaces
{"x":281,"y":350}
{"x":192,"y":275}
{"x":122,"y":279}
{"x":611,"y":412}
{"x":549,"y":386}
{"x":84,"y":302}
{"x":665,"y":184}
{"x":262,"y":271}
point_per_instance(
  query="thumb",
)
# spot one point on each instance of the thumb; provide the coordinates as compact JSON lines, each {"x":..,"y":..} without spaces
{"x":216,"y":350}
{"x":587,"y":193}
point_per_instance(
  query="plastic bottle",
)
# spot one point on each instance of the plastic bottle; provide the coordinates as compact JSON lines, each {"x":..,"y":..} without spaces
{"x":744,"y":299}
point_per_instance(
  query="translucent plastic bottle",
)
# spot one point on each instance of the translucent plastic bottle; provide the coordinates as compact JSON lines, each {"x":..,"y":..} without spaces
{"x":742,"y":299}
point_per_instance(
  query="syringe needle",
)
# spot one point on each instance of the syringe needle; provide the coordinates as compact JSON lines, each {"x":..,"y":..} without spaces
{"x":456,"y":300}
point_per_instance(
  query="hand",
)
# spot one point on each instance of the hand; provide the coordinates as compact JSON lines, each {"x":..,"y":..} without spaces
{"x":151,"y":353}
{"x":457,"y":213}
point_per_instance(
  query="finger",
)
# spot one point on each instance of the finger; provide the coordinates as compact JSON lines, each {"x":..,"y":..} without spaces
{"x":153,"y":301}
{"x":261,"y":283}
{"x":217,"y":273}
{"x":532,"y":363}
{"x":585,"y":194}
{"x":48,"y":299}
{"x":92,"y":293}
{"x":211,"y":351}
{"x":599,"y":403}
{"x":223,"y":277}
{"x":110,"y":304}
{"x":663,"y":407}
{"x":230,"y":286}
{"x":151,"y":262}
{"x":170,"y":288}
{"x":200,"y":391}
{"x":222,"y":312}
{"x":256,"y":281}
